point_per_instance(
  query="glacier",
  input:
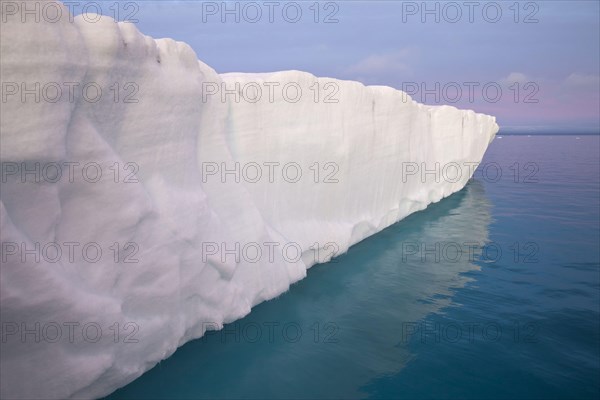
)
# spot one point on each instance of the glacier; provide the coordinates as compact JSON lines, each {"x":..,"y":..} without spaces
{"x":167,"y":177}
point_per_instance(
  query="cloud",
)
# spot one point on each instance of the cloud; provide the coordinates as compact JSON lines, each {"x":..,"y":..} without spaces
{"x":578,"y":81}
{"x":513,"y":77}
{"x":379,"y":64}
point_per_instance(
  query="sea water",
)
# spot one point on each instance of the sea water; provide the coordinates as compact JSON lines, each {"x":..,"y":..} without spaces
{"x":493,"y":292}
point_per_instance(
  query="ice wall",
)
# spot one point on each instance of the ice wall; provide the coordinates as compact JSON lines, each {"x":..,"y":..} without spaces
{"x":78,"y":325}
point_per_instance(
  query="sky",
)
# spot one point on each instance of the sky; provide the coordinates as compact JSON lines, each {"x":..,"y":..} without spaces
{"x":535,"y":65}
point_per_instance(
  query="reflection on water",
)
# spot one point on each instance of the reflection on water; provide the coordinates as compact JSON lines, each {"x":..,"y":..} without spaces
{"x":541,"y":298}
{"x":346,"y":324}
{"x":399,"y":317}
{"x":514,"y":314}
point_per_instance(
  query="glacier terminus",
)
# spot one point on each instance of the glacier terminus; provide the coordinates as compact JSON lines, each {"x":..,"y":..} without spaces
{"x":145,"y":197}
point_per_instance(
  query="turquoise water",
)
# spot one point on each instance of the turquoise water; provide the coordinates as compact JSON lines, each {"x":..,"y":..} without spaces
{"x":493,"y":292}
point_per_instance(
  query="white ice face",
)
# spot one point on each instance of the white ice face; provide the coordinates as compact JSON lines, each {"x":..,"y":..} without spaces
{"x":145,"y":198}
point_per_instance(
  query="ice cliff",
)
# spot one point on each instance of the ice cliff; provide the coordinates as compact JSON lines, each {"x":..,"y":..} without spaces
{"x":177,"y":199}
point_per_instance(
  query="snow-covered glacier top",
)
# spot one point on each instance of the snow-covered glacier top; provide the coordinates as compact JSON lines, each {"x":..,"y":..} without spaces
{"x":146,"y":198}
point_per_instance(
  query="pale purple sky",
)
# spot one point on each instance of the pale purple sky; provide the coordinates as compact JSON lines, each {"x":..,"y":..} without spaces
{"x":541,"y":51}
